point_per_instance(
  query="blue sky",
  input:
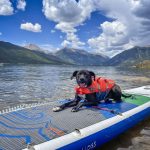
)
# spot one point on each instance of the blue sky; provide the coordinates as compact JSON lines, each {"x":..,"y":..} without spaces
{"x":100,"y":26}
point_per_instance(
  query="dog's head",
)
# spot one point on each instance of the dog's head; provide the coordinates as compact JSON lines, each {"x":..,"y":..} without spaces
{"x":83,"y":77}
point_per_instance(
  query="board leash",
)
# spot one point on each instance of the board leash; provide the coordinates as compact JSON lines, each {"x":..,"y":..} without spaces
{"x":107,"y":109}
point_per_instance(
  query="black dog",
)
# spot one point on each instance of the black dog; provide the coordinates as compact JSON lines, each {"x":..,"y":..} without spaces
{"x":84,"y":80}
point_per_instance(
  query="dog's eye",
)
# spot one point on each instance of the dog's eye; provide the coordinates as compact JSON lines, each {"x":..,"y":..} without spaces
{"x":78,"y":75}
{"x":81,"y":74}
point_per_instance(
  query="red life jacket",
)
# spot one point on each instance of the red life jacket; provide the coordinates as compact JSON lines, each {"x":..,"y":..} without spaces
{"x":98,"y":85}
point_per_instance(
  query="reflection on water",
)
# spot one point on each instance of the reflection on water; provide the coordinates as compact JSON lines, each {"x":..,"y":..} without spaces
{"x":32,"y":83}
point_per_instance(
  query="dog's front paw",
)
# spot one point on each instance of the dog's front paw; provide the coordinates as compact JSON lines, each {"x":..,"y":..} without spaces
{"x":56,"y":108}
{"x":74,"y":109}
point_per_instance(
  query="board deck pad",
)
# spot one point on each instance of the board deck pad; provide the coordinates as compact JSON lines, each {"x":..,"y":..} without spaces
{"x":39,"y":124}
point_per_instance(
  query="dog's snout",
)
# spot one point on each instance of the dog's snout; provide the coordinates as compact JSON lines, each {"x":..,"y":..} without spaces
{"x":82,"y":80}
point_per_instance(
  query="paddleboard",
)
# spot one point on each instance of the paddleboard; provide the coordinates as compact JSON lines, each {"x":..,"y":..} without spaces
{"x":37,"y":127}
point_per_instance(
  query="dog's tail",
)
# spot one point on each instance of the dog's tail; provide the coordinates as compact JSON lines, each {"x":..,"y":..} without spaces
{"x":126,"y":96}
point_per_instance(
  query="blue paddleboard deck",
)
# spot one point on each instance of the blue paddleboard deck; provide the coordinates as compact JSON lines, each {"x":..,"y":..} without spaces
{"x":39,"y":124}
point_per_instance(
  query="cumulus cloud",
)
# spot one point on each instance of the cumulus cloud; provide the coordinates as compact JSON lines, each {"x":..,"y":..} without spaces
{"x":141,"y":11}
{"x":6,"y":7}
{"x":48,"y":48}
{"x":31,"y":27}
{"x":131,"y":26}
{"x":68,"y":14}
{"x":65,"y":43}
{"x":21,"y":4}
{"x":114,"y":36}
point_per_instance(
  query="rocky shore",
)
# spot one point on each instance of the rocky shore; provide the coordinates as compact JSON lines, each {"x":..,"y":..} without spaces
{"x":141,"y":142}
{"x":136,"y":138}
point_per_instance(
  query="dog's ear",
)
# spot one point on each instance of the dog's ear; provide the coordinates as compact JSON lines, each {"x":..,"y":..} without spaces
{"x":92,"y":74}
{"x":74,"y":74}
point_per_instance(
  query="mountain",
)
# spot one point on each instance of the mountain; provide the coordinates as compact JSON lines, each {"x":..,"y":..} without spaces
{"x":10,"y":53}
{"x":80,"y":57}
{"x":35,"y":47}
{"x":32,"y":47}
{"x":130,"y":57}
{"x":33,"y":54}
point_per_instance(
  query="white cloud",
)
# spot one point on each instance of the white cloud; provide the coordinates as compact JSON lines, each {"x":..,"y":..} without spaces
{"x":114,"y":36}
{"x":68,"y":14}
{"x":65,"y":43}
{"x":0,"y":33}
{"x":141,"y":10}
{"x":131,"y":26}
{"x":49,"y":48}
{"x":6,"y":7}
{"x":68,"y":11}
{"x":31,"y":27}
{"x":65,"y":27}
{"x":21,"y":4}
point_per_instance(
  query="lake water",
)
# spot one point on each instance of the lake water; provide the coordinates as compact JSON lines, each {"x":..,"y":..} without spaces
{"x":38,"y":83}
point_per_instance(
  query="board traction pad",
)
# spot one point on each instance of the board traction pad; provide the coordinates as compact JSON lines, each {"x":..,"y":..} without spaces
{"x":40,"y":124}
